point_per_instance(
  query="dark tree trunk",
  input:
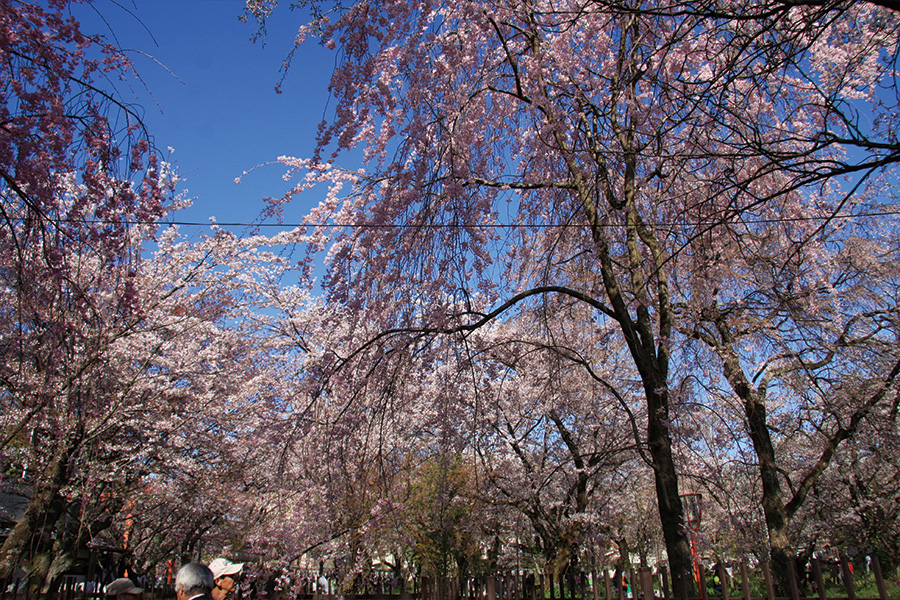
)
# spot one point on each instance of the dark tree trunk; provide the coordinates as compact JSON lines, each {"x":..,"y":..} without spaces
{"x":671,"y":511}
{"x":30,"y":541}
{"x":774,"y":509}
{"x":652,"y":362}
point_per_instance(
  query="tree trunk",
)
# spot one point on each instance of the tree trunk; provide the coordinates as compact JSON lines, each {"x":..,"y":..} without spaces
{"x":774,"y":509}
{"x":671,"y":511}
{"x":31,"y":537}
{"x":38,"y":567}
{"x":71,"y":537}
{"x":652,"y":363}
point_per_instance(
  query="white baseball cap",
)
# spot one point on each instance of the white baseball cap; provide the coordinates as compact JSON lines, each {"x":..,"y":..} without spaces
{"x":222,"y":567}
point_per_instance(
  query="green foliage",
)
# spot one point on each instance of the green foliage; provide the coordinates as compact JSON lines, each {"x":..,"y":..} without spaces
{"x":441,"y":518}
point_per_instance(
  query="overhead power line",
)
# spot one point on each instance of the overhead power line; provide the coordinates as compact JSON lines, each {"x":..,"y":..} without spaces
{"x":884,"y":213}
{"x":359,"y":225}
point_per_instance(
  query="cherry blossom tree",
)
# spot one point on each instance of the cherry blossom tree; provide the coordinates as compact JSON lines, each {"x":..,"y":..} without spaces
{"x":550,"y":438}
{"x":81,"y":189}
{"x":205,"y":374}
{"x":120,"y":372}
{"x":860,"y":497}
{"x":807,"y":304}
{"x":810,"y":370}
{"x":591,"y":151}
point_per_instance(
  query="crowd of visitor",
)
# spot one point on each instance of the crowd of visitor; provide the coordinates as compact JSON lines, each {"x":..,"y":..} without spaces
{"x":194,"y":581}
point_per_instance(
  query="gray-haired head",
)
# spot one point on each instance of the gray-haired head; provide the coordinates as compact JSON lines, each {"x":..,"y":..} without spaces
{"x":193,"y":579}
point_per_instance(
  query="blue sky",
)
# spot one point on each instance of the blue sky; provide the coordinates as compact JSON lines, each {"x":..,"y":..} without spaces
{"x":210,"y":95}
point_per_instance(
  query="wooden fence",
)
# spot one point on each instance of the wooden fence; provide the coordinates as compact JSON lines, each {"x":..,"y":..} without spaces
{"x":72,"y":588}
{"x":647,"y":584}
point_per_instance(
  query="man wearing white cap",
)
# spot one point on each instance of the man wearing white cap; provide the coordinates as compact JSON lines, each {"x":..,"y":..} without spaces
{"x":123,"y":589}
{"x":227,"y":574}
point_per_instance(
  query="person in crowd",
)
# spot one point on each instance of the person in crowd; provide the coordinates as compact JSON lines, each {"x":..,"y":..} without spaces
{"x":227,"y":576}
{"x":123,"y":589}
{"x":194,"y":581}
{"x":322,"y":585}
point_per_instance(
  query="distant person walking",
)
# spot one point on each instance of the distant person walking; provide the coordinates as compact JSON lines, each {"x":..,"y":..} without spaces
{"x":322,"y":586}
{"x":227,"y":577}
{"x":194,"y":581}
